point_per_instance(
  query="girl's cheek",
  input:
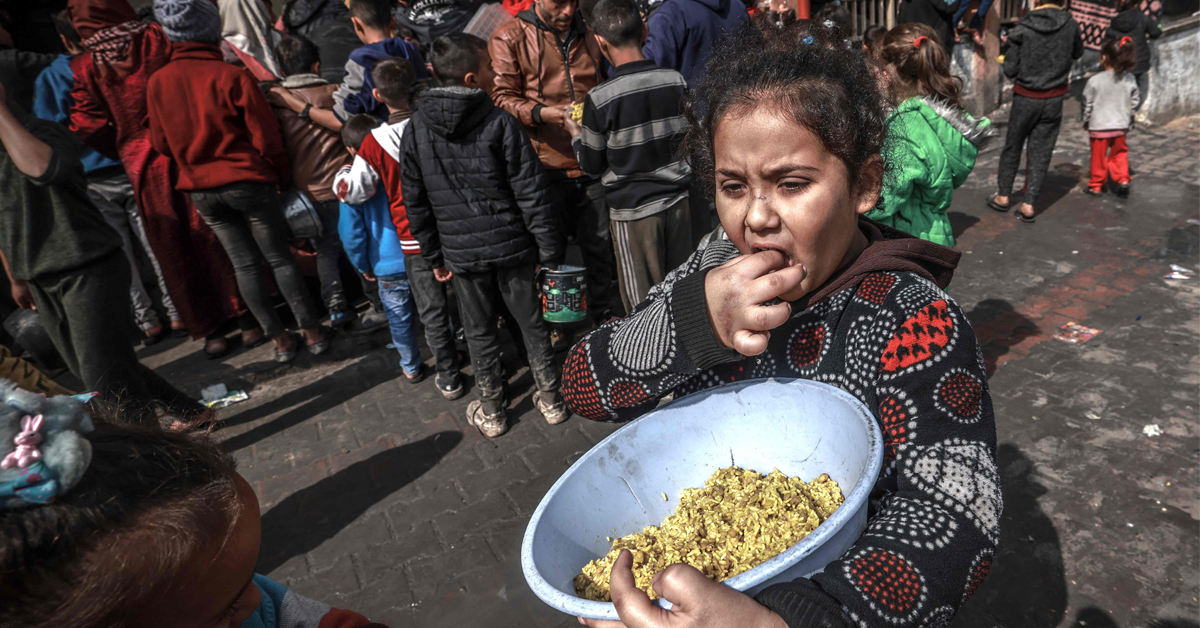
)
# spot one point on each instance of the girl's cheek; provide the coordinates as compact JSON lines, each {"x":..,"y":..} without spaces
{"x":249,"y":603}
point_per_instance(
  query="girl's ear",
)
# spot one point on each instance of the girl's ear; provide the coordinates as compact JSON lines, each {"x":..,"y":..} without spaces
{"x":869,"y":184}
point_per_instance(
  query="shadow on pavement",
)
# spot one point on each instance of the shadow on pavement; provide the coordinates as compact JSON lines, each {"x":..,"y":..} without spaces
{"x":1027,"y":586}
{"x":312,"y":515}
{"x":310,"y":400}
{"x":960,"y":222}
{"x":999,"y":327}
{"x":1093,"y":617}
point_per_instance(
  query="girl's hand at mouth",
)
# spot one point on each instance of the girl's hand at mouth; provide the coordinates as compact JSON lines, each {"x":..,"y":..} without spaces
{"x":735,"y":292}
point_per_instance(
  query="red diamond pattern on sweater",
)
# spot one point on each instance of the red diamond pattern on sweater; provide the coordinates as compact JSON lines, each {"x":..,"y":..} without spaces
{"x":888,"y":580}
{"x":628,"y":394}
{"x":962,"y":394}
{"x":919,"y":338}
{"x":579,"y":385}
{"x":894,"y":420}
{"x":806,"y":347}
{"x":875,"y":288}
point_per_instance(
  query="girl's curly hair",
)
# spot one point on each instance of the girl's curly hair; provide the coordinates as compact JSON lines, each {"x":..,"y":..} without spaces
{"x":805,"y":72}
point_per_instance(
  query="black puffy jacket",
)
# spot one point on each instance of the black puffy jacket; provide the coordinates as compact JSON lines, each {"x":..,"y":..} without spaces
{"x":1139,"y":27}
{"x":475,"y":191}
{"x":327,"y":24}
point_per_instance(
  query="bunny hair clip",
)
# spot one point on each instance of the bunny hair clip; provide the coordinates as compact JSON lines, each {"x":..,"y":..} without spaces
{"x":43,"y":451}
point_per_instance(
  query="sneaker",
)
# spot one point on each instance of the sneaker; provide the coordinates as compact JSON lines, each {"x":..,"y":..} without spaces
{"x":1123,"y":191}
{"x":554,"y":412}
{"x":451,"y":389}
{"x":491,"y":426}
{"x":369,"y":322}
{"x":418,"y":377}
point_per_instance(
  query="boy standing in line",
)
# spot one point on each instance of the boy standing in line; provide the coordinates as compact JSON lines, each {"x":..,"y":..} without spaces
{"x":376,"y":28}
{"x":479,"y":203}
{"x":630,"y":127}
{"x":373,"y":246}
{"x":377,"y":166}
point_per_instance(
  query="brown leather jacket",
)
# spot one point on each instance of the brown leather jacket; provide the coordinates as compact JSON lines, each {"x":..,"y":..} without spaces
{"x":532,"y":72}
{"x":316,"y":152}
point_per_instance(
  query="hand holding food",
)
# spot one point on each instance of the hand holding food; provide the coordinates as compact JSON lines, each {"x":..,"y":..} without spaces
{"x":736,"y":292}
{"x":739,"y":520}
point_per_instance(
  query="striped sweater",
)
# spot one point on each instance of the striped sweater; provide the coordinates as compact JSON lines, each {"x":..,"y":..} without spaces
{"x":632,"y":125}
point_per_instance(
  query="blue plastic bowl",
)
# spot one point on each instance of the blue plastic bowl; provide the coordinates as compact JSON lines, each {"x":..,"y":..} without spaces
{"x":803,"y":428}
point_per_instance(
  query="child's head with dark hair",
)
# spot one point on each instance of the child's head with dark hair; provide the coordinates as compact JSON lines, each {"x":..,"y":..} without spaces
{"x":919,"y":63}
{"x":66,"y":31}
{"x":462,"y":60}
{"x":160,"y":530}
{"x":787,"y":129}
{"x":356,"y":129}
{"x":618,"y":24}
{"x":1118,"y":54}
{"x":372,"y":18}
{"x":394,"y":78}
{"x":873,"y":40}
{"x":297,"y":55}
{"x":836,"y":18}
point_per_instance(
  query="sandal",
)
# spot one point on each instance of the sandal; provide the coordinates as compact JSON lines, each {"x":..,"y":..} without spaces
{"x":219,"y":353}
{"x":1026,"y":219}
{"x":323,"y":344}
{"x":997,"y":206}
{"x":283,"y":356}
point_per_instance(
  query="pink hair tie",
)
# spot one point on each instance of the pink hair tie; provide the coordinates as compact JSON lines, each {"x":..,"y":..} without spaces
{"x":26,"y":441}
{"x":917,"y":41}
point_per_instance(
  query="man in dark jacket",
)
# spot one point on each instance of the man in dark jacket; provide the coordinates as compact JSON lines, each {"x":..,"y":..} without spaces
{"x":479,"y":203}
{"x":65,"y":261}
{"x":327,"y":24}
{"x":1038,"y":59}
{"x":430,"y":19}
{"x":936,"y":14}
{"x":545,"y":61}
{"x":681,"y":33}
{"x":1141,"y":28}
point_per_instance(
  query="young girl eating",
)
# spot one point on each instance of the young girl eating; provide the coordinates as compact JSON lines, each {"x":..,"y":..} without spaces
{"x":933,"y":141}
{"x":790,"y":140}
{"x":128,"y":527}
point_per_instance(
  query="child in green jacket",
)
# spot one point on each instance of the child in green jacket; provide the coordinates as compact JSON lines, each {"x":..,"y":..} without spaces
{"x":932,"y":142}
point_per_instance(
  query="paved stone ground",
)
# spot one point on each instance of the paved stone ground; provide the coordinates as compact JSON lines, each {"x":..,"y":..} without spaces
{"x":378,"y":497}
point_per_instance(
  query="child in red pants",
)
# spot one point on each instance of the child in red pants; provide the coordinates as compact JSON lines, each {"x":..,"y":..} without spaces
{"x":1110,"y":100}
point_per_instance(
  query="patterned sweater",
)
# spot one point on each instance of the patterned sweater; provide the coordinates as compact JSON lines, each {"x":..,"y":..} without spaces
{"x":899,"y":344}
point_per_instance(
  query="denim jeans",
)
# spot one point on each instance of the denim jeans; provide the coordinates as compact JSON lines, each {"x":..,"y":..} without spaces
{"x":396,"y":296}
{"x":247,"y":219}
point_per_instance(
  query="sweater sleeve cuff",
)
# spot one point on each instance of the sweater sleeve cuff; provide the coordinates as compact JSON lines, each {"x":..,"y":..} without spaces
{"x":689,"y":310}
{"x":804,"y":604}
{"x":536,"y":114}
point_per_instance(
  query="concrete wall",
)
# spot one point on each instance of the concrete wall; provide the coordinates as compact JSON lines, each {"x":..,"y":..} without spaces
{"x":1174,"y":75}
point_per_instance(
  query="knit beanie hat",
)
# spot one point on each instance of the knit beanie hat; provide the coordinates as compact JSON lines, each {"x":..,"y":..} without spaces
{"x":189,"y":20}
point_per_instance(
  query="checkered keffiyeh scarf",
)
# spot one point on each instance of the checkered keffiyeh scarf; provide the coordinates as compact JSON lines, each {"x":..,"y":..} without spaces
{"x":111,"y":45}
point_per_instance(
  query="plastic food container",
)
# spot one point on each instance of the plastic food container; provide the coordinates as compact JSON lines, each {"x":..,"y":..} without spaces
{"x":803,"y":428}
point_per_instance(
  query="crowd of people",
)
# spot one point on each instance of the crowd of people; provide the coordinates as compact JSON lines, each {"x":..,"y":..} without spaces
{"x":448,"y":171}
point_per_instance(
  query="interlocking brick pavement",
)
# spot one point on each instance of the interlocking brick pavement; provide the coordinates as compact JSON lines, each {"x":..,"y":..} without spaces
{"x":378,"y":497}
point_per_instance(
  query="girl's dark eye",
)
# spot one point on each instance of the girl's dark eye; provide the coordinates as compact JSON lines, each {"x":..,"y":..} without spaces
{"x":794,"y":186}
{"x":732,"y":189}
